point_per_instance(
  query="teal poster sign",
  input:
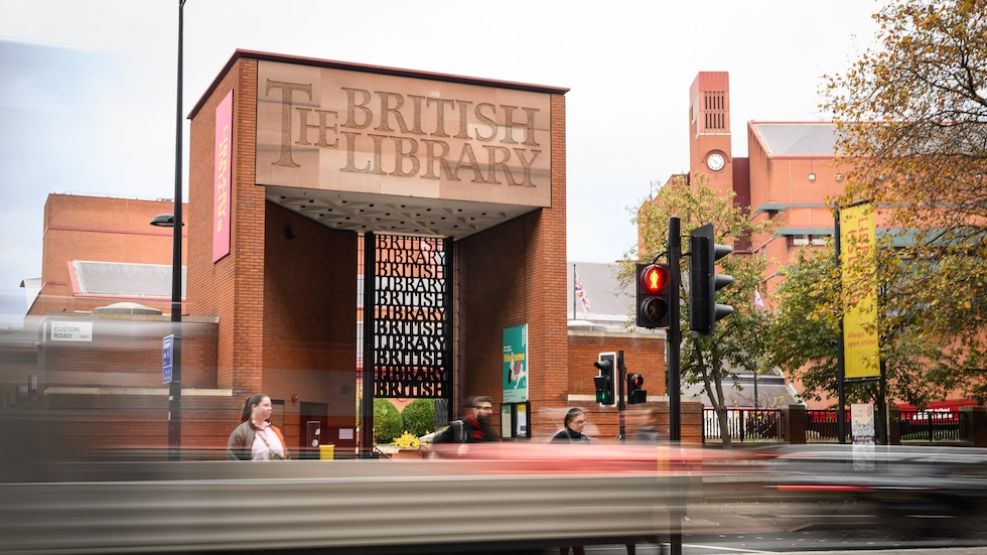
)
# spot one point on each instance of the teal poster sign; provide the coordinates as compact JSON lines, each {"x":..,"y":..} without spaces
{"x":516,"y":364}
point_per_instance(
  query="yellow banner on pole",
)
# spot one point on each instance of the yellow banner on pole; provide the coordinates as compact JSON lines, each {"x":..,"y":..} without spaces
{"x":858,"y":265}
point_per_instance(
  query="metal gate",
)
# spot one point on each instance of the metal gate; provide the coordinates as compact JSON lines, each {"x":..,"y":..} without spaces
{"x":407,"y":321}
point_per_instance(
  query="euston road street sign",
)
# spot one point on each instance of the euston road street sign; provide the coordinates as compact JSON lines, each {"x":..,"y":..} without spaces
{"x":167,"y":349}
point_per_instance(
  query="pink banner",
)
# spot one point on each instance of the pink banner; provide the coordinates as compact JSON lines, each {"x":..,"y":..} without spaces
{"x":221,"y":179}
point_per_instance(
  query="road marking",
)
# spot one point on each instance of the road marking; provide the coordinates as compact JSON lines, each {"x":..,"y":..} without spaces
{"x":736,"y":549}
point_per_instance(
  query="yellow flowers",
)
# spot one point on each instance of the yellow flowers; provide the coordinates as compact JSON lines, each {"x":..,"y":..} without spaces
{"x":407,"y":441}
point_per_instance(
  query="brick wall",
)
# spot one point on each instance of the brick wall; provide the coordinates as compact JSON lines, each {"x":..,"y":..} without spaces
{"x":118,"y":400}
{"x":231,"y":289}
{"x":513,"y":274}
{"x":644,"y":354}
{"x":310,"y":319}
{"x":82,"y":425}
{"x":127,"y":353}
{"x":603,"y":423}
{"x":79,"y":227}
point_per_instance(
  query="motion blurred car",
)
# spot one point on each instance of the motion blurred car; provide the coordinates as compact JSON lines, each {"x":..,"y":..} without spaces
{"x":909,"y":489}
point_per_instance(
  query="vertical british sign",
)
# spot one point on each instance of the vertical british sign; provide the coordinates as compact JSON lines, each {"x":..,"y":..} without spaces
{"x":222,"y":174}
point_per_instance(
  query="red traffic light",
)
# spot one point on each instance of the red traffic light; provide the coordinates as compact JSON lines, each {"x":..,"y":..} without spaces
{"x":635,"y":394}
{"x":654,"y":295}
{"x":653,"y":279}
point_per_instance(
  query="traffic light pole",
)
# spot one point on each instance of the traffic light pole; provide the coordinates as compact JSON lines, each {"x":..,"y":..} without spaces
{"x":621,"y":381}
{"x":673,"y":345}
{"x":673,"y":341}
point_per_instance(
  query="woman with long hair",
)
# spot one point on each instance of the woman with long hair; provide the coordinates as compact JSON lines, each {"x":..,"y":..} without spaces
{"x":256,"y":439}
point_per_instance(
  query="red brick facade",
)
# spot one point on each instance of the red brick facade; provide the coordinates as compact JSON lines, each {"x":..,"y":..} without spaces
{"x":78,"y":227}
{"x":310,"y":320}
{"x":278,"y":314}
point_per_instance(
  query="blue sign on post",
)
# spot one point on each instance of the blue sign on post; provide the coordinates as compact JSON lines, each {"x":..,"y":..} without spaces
{"x":167,"y":349}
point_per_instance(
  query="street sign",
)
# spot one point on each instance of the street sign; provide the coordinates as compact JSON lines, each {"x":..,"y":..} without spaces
{"x":167,"y":350}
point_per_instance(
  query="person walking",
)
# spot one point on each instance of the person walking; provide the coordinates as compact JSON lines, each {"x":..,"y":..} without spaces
{"x":572,"y":432}
{"x":256,"y":439}
{"x":474,"y":427}
{"x":573,"y":425}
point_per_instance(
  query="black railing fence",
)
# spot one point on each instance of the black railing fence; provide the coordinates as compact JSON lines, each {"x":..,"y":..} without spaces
{"x":932,"y":425}
{"x":745,"y":424}
{"x":823,"y":425}
{"x":748,"y":424}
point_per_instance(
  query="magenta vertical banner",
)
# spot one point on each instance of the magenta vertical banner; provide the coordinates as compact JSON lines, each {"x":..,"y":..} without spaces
{"x":222,"y":179}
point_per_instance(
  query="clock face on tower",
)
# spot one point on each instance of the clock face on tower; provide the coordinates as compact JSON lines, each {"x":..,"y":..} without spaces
{"x":715,"y":161}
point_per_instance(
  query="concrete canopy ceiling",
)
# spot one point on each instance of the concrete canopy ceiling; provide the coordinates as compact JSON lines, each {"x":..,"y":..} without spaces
{"x":362,"y":212}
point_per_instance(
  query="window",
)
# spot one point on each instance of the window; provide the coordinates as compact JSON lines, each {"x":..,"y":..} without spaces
{"x":800,"y":240}
{"x":818,"y":240}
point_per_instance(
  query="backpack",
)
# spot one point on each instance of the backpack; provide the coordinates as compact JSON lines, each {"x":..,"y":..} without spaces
{"x":458,"y":431}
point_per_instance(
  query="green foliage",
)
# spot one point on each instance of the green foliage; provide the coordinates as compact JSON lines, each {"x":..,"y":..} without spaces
{"x":925,"y":84}
{"x":739,"y":341}
{"x":804,"y":335}
{"x":387,"y":421}
{"x":419,"y":417}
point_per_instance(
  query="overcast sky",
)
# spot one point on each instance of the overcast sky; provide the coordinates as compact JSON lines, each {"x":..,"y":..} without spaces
{"x":90,"y":107}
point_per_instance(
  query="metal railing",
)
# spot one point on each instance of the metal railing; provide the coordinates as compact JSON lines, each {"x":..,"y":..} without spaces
{"x":932,"y":426}
{"x":745,"y":424}
{"x":822,"y":425}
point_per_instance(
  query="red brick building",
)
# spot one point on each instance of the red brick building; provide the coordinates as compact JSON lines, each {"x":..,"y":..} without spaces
{"x":307,"y":179}
{"x":82,"y":230}
{"x":789,"y":176}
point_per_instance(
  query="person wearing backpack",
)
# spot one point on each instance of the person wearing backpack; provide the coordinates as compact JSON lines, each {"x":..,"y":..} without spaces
{"x":474,"y":427}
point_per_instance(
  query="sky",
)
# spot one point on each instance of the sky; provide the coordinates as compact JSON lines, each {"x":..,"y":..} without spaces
{"x":88,"y":89}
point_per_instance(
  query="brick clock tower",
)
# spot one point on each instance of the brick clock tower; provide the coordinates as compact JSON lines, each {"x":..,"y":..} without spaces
{"x":709,"y":130}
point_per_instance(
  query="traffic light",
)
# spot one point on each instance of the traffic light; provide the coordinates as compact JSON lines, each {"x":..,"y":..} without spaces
{"x":635,"y":394}
{"x":653,"y":296}
{"x":704,"y":281}
{"x":606,"y":381}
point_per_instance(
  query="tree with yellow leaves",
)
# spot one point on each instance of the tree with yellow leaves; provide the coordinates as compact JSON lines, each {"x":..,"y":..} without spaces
{"x":911,"y":115}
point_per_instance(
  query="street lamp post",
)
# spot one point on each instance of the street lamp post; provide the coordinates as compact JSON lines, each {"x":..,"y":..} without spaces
{"x":175,"y":387}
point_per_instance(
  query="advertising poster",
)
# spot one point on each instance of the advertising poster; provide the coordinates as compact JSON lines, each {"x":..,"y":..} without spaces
{"x":222,"y":178}
{"x":859,"y":252}
{"x":862,"y":424}
{"x":516,"y":364}
{"x":521,"y":422}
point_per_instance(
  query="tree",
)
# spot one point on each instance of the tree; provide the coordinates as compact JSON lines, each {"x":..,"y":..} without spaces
{"x":739,"y":341}
{"x":419,"y":417}
{"x":804,"y":334}
{"x":387,"y":421}
{"x":911,"y":114}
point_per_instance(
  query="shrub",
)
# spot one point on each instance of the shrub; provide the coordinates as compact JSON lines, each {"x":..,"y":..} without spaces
{"x":419,"y":417}
{"x":387,"y":421}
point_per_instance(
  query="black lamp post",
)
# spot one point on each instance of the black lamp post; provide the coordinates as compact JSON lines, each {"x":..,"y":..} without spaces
{"x":175,"y":222}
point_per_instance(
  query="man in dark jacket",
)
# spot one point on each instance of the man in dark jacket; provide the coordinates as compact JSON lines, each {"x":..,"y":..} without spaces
{"x":475,"y":425}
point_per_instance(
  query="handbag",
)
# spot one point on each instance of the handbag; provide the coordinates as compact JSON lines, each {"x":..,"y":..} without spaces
{"x":275,"y":456}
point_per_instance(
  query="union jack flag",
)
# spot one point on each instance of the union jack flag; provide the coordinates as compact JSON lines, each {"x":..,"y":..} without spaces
{"x":581,"y":293}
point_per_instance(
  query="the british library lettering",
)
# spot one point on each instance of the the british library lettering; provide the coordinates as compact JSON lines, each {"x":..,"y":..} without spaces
{"x":344,"y":130}
{"x":373,"y":121}
{"x":411,"y":351}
